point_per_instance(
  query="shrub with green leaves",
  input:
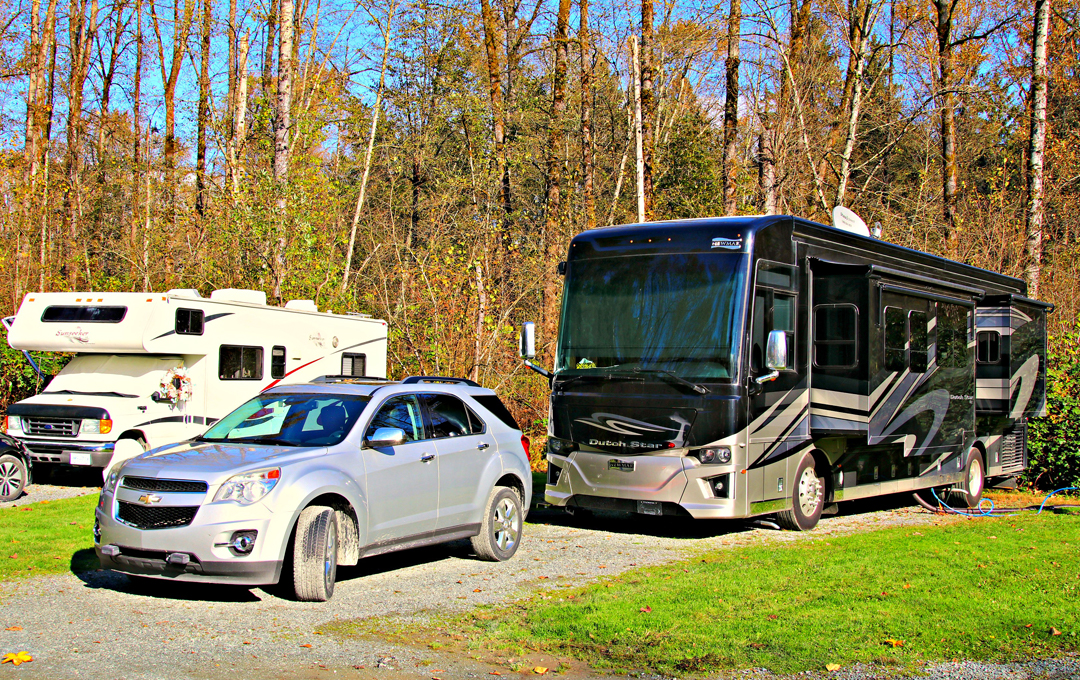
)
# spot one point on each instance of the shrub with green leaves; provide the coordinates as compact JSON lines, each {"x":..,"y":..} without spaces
{"x":1054,"y":441}
{"x":17,"y":378}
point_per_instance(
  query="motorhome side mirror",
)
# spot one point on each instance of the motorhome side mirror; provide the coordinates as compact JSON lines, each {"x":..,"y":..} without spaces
{"x":158,"y":398}
{"x":528,"y":340}
{"x":776,"y":351}
{"x":385,"y":436}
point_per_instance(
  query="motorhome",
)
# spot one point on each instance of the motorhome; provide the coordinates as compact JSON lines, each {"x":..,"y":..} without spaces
{"x":734,"y":367}
{"x":156,"y":368}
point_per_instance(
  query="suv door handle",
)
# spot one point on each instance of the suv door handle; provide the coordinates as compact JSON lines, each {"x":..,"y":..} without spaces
{"x":427,"y":457}
{"x":482,"y":445}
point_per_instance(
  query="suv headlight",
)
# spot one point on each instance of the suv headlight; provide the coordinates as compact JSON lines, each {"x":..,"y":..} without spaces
{"x":93,"y":426}
{"x":14,"y":424}
{"x":249,"y":487}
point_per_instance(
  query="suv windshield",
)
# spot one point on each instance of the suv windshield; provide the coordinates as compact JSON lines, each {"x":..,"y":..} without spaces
{"x":290,"y":420}
{"x":670,"y":312}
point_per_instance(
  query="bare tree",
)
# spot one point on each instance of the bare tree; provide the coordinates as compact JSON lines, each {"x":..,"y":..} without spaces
{"x":170,"y":77}
{"x":203,"y":120}
{"x":492,"y":37}
{"x":1034,"y":241}
{"x":731,"y":107}
{"x":282,"y":127}
{"x":648,"y":105}
{"x":587,"y":161}
{"x":552,"y":218}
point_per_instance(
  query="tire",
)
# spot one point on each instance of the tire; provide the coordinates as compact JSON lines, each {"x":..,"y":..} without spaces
{"x":807,"y":498}
{"x":500,"y":531}
{"x":315,"y":554}
{"x":13,"y":477}
{"x":968,"y":493}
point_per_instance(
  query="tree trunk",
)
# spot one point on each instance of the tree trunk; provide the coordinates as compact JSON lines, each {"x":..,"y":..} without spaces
{"x":282,"y":127}
{"x":731,"y":108}
{"x":498,"y":116}
{"x":587,"y":161}
{"x":136,"y":125}
{"x":949,"y":173}
{"x":268,"y":54}
{"x":36,"y":67}
{"x":203,"y":121}
{"x":82,"y":29}
{"x":862,"y":18}
{"x":648,"y":106}
{"x":170,"y":75}
{"x":239,"y":117}
{"x":1038,"y":144}
{"x":233,"y":37}
{"x":642,"y":204}
{"x":767,"y":171}
{"x":553,"y":236}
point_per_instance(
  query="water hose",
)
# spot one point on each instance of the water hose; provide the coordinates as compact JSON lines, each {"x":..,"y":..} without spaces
{"x":983,"y":511}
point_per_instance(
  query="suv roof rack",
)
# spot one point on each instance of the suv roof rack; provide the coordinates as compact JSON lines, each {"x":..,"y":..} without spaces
{"x":435,"y":379}
{"x":354,"y":379}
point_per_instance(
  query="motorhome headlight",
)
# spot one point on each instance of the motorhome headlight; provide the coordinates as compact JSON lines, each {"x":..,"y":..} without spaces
{"x":94,"y":426}
{"x":249,"y":487}
{"x":715,"y":455}
{"x":561,"y":447}
{"x":14,"y":424}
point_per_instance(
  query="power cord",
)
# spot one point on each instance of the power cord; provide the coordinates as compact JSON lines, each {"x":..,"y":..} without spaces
{"x":983,"y":511}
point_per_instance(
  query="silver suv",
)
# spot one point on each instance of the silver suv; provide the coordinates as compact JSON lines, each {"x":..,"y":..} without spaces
{"x":304,"y":478}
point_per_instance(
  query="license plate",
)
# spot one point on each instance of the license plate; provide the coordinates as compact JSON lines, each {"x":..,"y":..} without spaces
{"x":79,"y":458}
{"x":650,"y":507}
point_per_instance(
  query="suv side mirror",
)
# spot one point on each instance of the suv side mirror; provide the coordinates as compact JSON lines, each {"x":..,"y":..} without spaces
{"x":385,"y":436}
{"x":528,"y":340}
{"x":776,"y":351}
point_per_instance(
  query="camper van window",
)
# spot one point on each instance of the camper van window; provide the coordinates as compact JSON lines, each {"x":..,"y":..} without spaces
{"x":919,"y":352}
{"x":353,"y":364}
{"x":68,"y":314}
{"x":277,"y":362}
{"x":189,"y":322}
{"x":836,"y":330}
{"x":952,"y":335}
{"x":896,"y":337}
{"x":988,"y":347}
{"x":240,"y":363}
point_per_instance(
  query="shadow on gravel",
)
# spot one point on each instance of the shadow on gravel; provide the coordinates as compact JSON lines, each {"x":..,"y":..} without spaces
{"x":166,"y":590}
{"x":380,"y":564}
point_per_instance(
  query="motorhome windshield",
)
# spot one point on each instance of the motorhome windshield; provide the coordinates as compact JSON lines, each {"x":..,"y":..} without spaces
{"x":290,"y":420}
{"x":670,"y":312}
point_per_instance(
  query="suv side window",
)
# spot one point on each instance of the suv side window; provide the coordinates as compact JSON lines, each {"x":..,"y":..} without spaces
{"x":401,"y":412}
{"x":449,"y":416}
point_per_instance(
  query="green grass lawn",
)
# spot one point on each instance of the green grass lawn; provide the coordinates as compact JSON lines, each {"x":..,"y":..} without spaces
{"x":989,"y":589}
{"x":49,"y":537}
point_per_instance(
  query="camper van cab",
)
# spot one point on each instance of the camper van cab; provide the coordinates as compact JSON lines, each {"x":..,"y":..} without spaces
{"x":156,"y":368}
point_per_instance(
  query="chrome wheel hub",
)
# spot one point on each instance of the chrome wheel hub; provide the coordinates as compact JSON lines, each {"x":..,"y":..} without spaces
{"x":810,"y":492}
{"x":975,"y":478}
{"x":506,"y":524}
{"x":10,"y":478}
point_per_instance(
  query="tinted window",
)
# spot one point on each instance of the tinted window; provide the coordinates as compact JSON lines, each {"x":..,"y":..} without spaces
{"x":835,"y":333}
{"x":189,"y":322}
{"x":290,"y":420}
{"x":919,"y":341}
{"x":277,"y":362}
{"x":84,"y":314}
{"x":988,"y":347}
{"x":449,"y":417}
{"x":401,"y":412}
{"x":353,"y":364}
{"x":952,"y":333}
{"x":895,"y":339}
{"x":240,"y":363}
{"x":492,"y":403}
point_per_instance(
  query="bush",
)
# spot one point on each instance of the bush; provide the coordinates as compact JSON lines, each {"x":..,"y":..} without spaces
{"x":17,"y":378}
{"x":1054,"y":441}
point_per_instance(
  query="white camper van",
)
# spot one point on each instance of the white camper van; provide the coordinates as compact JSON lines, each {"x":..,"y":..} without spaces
{"x":156,"y":368}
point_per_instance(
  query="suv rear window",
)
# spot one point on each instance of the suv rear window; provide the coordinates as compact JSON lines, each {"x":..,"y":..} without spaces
{"x":492,"y":403}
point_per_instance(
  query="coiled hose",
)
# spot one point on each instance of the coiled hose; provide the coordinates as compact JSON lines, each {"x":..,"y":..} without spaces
{"x":983,"y":511}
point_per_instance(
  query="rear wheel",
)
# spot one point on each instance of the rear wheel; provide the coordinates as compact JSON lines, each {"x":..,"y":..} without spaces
{"x":13,"y":477}
{"x":500,"y":531}
{"x":315,"y":554}
{"x":968,"y":493}
{"x":808,"y":498}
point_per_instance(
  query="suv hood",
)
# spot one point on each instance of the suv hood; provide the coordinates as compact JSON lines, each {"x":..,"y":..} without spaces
{"x":208,"y":461}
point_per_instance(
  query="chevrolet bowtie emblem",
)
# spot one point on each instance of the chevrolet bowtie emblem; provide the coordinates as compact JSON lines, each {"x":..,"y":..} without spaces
{"x":149,"y":498}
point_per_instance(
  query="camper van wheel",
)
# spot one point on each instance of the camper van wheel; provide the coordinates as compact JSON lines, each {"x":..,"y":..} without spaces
{"x":808,"y":498}
{"x":315,"y":554}
{"x":12,"y":477}
{"x":968,"y":493}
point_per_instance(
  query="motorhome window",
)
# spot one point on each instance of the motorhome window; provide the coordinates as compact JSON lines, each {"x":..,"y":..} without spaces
{"x":896,"y":337}
{"x":678,"y":312}
{"x":449,"y":417}
{"x":68,"y":314}
{"x":775,"y":275}
{"x":773,"y":311}
{"x":277,"y":362}
{"x":189,"y":322}
{"x":919,"y":342}
{"x":353,"y":364}
{"x":290,"y":420}
{"x":401,"y":412}
{"x":988,"y":347}
{"x":952,"y":335}
{"x":836,"y":329}
{"x":240,"y":363}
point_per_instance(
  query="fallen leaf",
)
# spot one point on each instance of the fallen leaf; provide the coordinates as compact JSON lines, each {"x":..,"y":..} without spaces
{"x":540,"y":670}
{"x":646,"y":609}
{"x":1055,"y":631}
{"x":306,"y":644}
{"x":894,"y":643}
{"x":494,"y":673}
{"x":907,"y":585}
{"x":832,"y":666}
{"x":16,"y":658}
{"x":14,"y":628}
{"x":459,"y":581}
{"x":477,"y":590}
{"x":991,"y":536}
{"x":13,"y":557}
{"x":757,"y":645}
{"x":772,"y":617}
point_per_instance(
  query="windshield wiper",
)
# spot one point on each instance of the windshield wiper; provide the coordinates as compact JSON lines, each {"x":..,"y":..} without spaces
{"x":598,"y":376}
{"x":700,"y":389}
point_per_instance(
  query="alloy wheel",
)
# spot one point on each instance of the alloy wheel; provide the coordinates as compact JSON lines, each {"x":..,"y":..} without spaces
{"x":10,"y":478}
{"x":507,"y":524}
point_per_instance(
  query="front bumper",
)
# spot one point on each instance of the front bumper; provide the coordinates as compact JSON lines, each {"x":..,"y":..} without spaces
{"x":59,"y":452}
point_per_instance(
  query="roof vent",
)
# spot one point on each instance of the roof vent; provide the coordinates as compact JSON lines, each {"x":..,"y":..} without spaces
{"x":302,"y":305}
{"x":184,"y":292}
{"x":251,"y":297}
{"x":846,"y":220}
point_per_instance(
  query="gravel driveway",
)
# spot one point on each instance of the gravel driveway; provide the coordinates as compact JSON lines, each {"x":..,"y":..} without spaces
{"x":105,"y":625}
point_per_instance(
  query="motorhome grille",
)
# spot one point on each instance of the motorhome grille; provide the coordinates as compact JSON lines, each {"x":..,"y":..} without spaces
{"x":175,"y":485}
{"x":1012,"y":449}
{"x":148,"y":517}
{"x":52,"y":427}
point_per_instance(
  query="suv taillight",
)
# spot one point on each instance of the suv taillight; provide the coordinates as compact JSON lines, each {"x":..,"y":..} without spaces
{"x":525,"y":445}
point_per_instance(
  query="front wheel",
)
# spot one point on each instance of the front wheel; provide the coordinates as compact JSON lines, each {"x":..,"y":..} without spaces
{"x":13,"y":476}
{"x":969,"y":491}
{"x":808,"y":498}
{"x":315,"y":554}
{"x":500,"y":532}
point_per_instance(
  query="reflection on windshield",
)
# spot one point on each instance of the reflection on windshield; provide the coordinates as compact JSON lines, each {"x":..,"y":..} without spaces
{"x":290,"y":420}
{"x":677,"y":312}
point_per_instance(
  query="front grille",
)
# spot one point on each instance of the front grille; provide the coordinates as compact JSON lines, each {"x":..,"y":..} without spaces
{"x":1014,"y":449}
{"x":51,"y":427}
{"x":176,"y":485}
{"x":149,"y":517}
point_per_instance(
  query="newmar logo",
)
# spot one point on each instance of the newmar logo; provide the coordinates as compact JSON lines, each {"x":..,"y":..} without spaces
{"x":616,"y":464}
{"x":727,"y":243}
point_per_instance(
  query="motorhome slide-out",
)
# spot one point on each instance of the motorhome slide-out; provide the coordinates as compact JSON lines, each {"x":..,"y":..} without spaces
{"x":156,"y":368}
{"x":733,"y":367}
